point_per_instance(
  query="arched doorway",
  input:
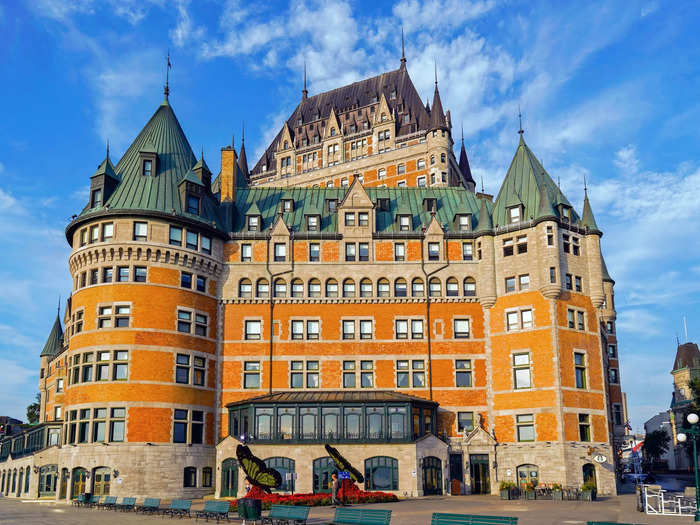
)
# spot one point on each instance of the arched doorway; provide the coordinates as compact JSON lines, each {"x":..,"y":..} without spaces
{"x":229,"y":478}
{"x":589,"y":475}
{"x":284,"y":466}
{"x":323,"y":468}
{"x":64,"y":483}
{"x":47,"y":480}
{"x":101,"y":477}
{"x":528,"y":475}
{"x":26,"y":480}
{"x":79,"y":479}
{"x":19,"y":484}
{"x":432,"y":476}
{"x":14,"y":481}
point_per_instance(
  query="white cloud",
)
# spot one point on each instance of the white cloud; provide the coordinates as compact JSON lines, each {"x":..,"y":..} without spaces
{"x":626,"y":159}
{"x":61,"y":10}
{"x":185,"y":30}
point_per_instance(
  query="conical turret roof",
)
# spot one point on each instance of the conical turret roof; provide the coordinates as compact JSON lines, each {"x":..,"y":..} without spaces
{"x":243,"y":162}
{"x":587,"y":219}
{"x":606,"y":274}
{"x":54,"y":342}
{"x":437,"y":115}
{"x":106,"y":168}
{"x":464,"y":168}
{"x":485,"y":221}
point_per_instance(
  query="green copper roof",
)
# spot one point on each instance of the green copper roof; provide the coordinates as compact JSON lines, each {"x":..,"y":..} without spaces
{"x":106,"y":168}
{"x":522,"y":185}
{"x":55,"y":340}
{"x":606,"y":274}
{"x":588,"y":220}
{"x":485,"y":223}
{"x":159,"y":192}
{"x":265,"y":201}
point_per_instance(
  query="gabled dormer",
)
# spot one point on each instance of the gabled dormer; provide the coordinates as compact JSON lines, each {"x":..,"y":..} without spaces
{"x":333,"y":128}
{"x":148,"y":159}
{"x":312,"y":218}
{"x":384,"y":113}
{"x":565,"y":212}
{"x":287,"y":205}
{"x":462,"y":222}
{"x":203,"y":173}
{"x":253,"y":219}
{"x":192,"y":193}
{"x":285,"y":143}
{"x":103,"y":183}
{"x":403,"y":219}
{"x":430,"y":203}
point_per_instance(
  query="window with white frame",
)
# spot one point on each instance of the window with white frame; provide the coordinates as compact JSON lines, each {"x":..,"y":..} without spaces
{"x":521,"y":371}
{"x":463,"y":373}
{"x":253,"y":329}
{"x":461,"y":328}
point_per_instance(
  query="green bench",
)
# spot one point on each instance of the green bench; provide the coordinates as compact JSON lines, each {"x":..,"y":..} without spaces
{"x":287,"y":515}
{"x":126,"y":505}
{"x":91,"y":502}
{"x":214,"y":509}
{"x":179,"y":508}
{"x":108,"y":502}
{"x":149,"y":505}
{"x":361,"y":517}
{"x":77,"y":502}
{"x":443,"y":518}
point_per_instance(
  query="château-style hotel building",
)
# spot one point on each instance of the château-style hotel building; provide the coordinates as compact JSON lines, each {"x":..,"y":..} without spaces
{"x":351,"y":288}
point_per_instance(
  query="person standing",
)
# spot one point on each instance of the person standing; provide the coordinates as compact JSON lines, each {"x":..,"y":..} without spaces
{"x":334,"y":489}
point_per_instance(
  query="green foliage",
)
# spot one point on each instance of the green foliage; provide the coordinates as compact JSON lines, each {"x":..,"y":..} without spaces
{"x":506,"y":485}
{"x":34,"y":410}
{"x":556,"y":486}
{"x":588,"y":485}
{"x":656,"y":444}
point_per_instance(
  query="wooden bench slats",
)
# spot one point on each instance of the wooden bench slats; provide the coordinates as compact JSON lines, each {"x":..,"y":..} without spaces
{"x":361,"y":517}
{"x":444,"y":518}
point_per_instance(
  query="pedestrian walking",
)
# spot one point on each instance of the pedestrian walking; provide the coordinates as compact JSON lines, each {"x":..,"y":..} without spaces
{"x":334,"y":489}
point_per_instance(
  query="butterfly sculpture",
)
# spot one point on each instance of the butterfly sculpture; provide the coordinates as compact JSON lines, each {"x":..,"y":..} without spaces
{"x":343,"y":464}
{"x":257,"y":473}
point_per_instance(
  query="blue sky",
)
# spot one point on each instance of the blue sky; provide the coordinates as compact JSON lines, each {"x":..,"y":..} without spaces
{"x":608,"y":91}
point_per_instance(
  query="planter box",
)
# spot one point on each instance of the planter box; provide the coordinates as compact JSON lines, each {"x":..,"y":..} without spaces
{"x":589,"y":495}
{"x":557,"y":495}
{"x":529,"y":494}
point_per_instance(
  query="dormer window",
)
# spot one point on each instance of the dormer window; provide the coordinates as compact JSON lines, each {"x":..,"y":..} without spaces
{"x":193,"y":204}
{"x":514,"y":215}
{"x":404,"y":223}
{"x":287,"y":205}
{"x":332,"y":132}
{"x":300,"y":122}
{"x":392,"y":96}
{"x":253,"y":223}
{"x":147,"y":167}
{"x":304,"y":141}
{"x":286,"y":144}
{"x":565,"y":212}
{"x":96,"y":198}
{"x":312,"y":223}
{"x":464,"y":222}
{"x":406,"y":118}
{"x":383,"y":117}
{"x":430,"y":204}
{"x":331,"y":204}
{"x":383,"y":204}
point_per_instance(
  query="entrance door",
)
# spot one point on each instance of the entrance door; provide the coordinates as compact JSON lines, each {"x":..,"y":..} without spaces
{"x":19,"y":485}
{"x":101,"y":481}
{"x":323,"y":468}
{"x":229,"y":478}
{"x":79,"y":477}
{"x":479,"y":472}
{"x":64,"y":483}
{"x":589,"y":474}
{"x":432,"y":476}
{"x":456,"y":471}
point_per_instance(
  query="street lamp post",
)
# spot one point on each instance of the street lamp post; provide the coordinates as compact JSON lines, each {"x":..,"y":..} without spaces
{"x":694,"y":433}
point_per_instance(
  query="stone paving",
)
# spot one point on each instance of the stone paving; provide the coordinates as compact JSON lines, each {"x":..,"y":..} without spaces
{"x":407,"y":512}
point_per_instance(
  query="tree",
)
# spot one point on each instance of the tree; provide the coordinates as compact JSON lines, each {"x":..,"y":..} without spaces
{"x":655,"y":445}
{"x":34,"y":410}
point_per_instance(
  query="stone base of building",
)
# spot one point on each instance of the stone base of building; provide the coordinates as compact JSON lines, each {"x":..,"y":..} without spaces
{"x":123,"y":470}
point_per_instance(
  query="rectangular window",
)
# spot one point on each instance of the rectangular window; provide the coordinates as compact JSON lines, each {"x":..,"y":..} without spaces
{"x":401,"y":329}
{"x":617,"y":414}
{"x":550,"y":236}
{"x":201,"y":283}
{"x":521,"y":371}
{"x":418,"y":373}
{"x":465,"y":421}
{"x":552,"y":274}
{"x":182,"y":370}
{"x":175,"y":236}
{"x":510,"y":284}
{"x":526,"y":319}
{"x":280,"y":252}
{"x":584,"y":427}
{"x":350,"y":251}
{"x":613,"y":376}
{"x":200,"y":325}
{"x":312,"y":329}
{"x":192,"y":240}
{"x":314,"y":252}
{"x":463,"y":373}
{"x":580,"y":321}
{"x":521,"y":242}
{"x":123,"y":274}
{"x":578,"y":286}
{"x":192,"y":204}
{"x":348,"y":329}
{"x":94,"y":276}
{"x":94,"y":233}
{"x":461,"y":328}
{"x":512,"y":321}
{"x":570,"y":318}
{"x":416,"y":328}
{"x":402,"y":374}
{"x":297,"y":329}
{"x":612,"y":351}
{"x":253,"y":223}
{"x":399,"y":251}
{"x":365,"y":329}
{"x":246,"y":253}
{"x":433,"y":251}
{"x":524,"y":281}
{"x":348,"y":374}
{"x":526,"y":427}
{"x":117,"y":425}
{"x":363,"y":248}
{"x":253,"y":329}
{"x":467,"y":251}
{"x":514,"y":214}
{"x":507,"y":247}
{"x":576,"y":248}
{"x":184,"y":321}
{"x":140,"y":274}
{"x":107,"y":231}
{"x":404,"y":223}
{"x":312,"y":223}
{"x":566,"y":243}
{"x":367,"y":374}
{"x":140,"y":231}
{"x":567,"y":281}
{"x":580,"y":369}
{"x":107,"y":275}
{"x":180,"y":426}
{"x":251,"y":374}
{"x":349,"y":219}
{"x":296,"y":376}
{"x":363,"y":218}
{"x":206,"y":244}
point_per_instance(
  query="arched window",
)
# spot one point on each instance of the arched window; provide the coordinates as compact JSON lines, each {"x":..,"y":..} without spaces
{"x":206,"y":477}
{"x":469,"y":287}
{"x":452,"y":287}
{"x":245,"y":288}
{"x":286,"y":144}
{"x":435,"y":287}
{"x":331,"y":288}
{"x":528,"y":475}
{"x":442,"y":157}
{"x":589,"y":476}
{"x":26,"y":480}
{"x":190,"y":477}
{"x":284,"y":466}
{"x":20,"y":480}
{"x":348,"y":288}
{"x":47,"y":480}
{"x":365,"y":288}
{"x":280,"y":287}
{"x":297,"y":288}
{"x":314,"y":288}
{"x":383,"y":287}
{"x":417,"y":287}
{"x":381,"y":473}
{"x":262,"y":288}
{"x":400,"y":287}
{"x":2,"y":483}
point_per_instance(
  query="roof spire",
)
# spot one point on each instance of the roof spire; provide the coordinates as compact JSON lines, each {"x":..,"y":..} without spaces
{"x":482,"y":184}
{"x":462,"y":133}
{"x":107,"y":157}
{"x":403,"y":53}
{"x":435,"y":64}
{"x":166,"y":90}
{"x":585,"y":186}
{"x":304,"y":92}
{"x":243,"y":132}
{"x":520,"y":120}
{"x":58,"y":310}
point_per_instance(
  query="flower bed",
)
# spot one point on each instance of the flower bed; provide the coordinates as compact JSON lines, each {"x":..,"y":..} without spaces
{"x":353,"y":495}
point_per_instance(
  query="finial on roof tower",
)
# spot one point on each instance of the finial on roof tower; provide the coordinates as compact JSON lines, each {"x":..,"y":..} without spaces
{"x":520,"y":120}
{"x":403,"y":53}
{"x":462,"y":133}
{"x":482,"y":184}
{"x":107,"y":148}
{"x":304,"y":92}
{"x":166,"y":90}
{"x":585,"y":186}
{"x":435,"y":63}
{"x":58,"y":310}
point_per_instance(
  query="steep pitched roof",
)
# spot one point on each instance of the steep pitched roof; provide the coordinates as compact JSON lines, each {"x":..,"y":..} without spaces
{"x":54,"y":342}
{"x":464,"y":168}
{"x":522,"y":184}
{"x":437,"y":115}
{"x":587,"y":219}
{"x":409,"y":200}
{"x":350,"y":98}
{"x":687,"y":356}
{"x":163,"y":136}
{"x":243,"y":162}
{"x":106,"y":168}
{"x":485,"y":223}
{"x":606,"y":274}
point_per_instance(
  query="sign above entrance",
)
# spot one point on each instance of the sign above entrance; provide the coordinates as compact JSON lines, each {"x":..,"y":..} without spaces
{"x":599,"y":458}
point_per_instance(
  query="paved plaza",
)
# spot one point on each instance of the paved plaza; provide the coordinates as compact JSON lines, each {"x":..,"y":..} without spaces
{"x":407,"y":512}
